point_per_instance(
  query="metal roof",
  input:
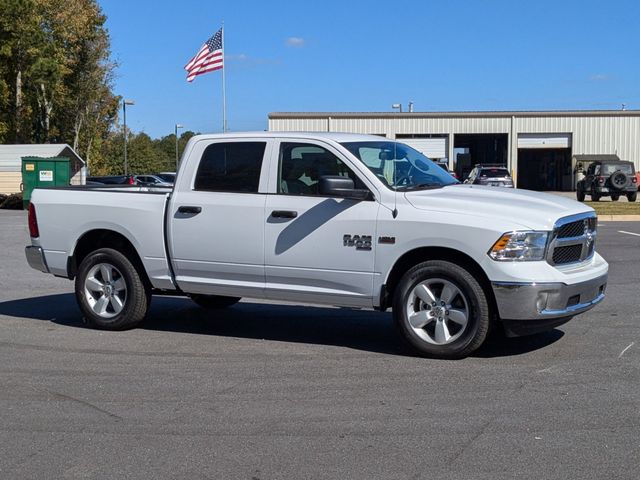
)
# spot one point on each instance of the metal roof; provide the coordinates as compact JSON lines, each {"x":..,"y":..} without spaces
{"x":462,"y":114}
{"x":11,"y":155}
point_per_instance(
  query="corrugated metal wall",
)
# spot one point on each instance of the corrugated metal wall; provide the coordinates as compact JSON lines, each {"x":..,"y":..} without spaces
{"x":10,"y":182}
{"x":591,"y":133}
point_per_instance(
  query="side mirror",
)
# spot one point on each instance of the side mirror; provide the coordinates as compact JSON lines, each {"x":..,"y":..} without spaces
{"x":337,"y":186}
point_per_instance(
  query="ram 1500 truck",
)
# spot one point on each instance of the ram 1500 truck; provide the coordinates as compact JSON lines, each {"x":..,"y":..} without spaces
{"x":326,"y":218}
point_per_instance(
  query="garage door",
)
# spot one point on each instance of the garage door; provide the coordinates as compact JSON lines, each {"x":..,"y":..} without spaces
{"x":431,"y":147}
{"x":544,"y":140}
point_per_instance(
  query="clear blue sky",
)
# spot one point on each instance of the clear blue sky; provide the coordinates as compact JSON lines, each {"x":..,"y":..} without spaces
{"x":363,"y":56}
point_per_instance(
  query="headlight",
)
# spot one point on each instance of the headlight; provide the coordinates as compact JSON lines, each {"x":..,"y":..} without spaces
{"x":523,"y":246}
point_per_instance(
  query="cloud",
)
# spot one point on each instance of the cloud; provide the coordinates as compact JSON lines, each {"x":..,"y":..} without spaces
{"x":600,"y":77}
{"x":296,"y":42}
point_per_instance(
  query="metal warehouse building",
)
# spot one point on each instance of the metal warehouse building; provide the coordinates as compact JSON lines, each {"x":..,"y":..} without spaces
{"x":543,"y":150}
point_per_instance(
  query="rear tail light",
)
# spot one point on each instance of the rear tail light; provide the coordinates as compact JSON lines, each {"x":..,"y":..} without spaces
{"x":600,"y":180}
{"x":634,"y":180}
{"x":33,"y":222}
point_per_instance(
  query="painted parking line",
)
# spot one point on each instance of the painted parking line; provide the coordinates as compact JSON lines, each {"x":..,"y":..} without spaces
{"x":629,"y":233}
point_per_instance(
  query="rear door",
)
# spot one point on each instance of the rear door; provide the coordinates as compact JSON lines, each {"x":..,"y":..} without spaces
{"x":317,"y":249}
{"x":217,"y":219}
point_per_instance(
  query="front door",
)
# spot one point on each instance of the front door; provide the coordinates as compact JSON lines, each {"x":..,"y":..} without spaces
{"x":317,"y":249}
{"x":217,"y":223}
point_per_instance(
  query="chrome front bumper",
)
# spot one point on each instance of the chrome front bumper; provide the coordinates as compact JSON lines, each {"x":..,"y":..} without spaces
{"x":35,"y":258}
{"x":544,"y":301}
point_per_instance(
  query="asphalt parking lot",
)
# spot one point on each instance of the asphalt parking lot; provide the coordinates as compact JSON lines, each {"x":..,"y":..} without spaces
{"x":265,"y":391}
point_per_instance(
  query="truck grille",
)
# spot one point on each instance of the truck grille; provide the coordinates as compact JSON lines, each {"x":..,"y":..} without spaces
{"x":576,"y":229}
{"x":573,"y":239}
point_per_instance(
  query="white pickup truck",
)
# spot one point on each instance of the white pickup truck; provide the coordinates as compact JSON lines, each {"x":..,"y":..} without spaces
{"x":325,"y":218}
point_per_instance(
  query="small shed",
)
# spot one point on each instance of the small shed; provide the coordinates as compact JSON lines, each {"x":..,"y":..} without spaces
{"x":11,"y":163}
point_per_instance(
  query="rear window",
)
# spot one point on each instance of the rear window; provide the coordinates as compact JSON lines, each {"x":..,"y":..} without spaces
{"x":494,"y":172}
{"x":230,"y":167}
{"x":609,"y":168}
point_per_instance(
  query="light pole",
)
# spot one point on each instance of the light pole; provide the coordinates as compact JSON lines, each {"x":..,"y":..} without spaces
{"x":177,"y":127}
{"x":124,"y":115}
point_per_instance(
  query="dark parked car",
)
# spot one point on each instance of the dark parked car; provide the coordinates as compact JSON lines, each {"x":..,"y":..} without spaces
{"x":490,"y":175}
{"x":609,"y":178}
{"x":112,"y":180}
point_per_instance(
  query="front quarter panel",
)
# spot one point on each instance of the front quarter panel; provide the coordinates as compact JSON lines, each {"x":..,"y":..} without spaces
{"x":413,"y":229}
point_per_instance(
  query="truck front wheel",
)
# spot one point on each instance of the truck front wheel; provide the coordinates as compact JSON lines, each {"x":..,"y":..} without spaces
{"x":214,"y":302}
{"x":441,"y":310}
{"x":110,"y":291}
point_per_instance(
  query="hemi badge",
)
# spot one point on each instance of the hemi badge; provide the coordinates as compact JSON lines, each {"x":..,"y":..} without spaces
{"x":389,"y":240}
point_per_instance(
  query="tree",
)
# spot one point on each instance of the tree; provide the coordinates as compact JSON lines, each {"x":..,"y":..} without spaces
{"x":56,"y":76}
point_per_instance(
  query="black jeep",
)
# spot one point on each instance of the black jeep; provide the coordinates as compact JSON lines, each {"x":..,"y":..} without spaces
{"x":609,"y":178}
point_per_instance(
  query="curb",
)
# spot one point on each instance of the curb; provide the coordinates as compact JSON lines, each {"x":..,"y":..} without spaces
{"x":619,"y":218}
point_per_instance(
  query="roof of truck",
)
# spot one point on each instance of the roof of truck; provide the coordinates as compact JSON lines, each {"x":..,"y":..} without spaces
{"x":335,"y":136}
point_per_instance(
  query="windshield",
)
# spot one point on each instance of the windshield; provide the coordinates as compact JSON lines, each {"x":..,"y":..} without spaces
{"x":399,"y":166}
{"x":167,"y":177}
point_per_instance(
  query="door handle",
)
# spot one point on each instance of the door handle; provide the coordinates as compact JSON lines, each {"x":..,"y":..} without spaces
{"x":189,"y":209}
{"x":284,"y":214}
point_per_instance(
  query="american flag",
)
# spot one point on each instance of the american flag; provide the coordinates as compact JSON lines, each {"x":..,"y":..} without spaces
{"x":210,"y":57}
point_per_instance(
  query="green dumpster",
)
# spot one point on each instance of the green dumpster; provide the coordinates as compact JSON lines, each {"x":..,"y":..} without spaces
{"x":43,"y":172}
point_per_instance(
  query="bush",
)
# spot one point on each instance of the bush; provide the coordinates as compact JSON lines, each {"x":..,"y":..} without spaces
{"x":11,"y":202}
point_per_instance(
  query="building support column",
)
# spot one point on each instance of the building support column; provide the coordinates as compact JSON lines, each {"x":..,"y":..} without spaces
{"x":513,"y":151}
{"x":450,"y":144}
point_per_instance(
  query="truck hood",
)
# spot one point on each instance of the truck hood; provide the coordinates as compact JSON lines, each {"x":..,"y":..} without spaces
{"x":523,"y":208}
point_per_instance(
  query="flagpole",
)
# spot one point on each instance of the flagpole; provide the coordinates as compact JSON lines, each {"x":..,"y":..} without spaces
{"x":224,"y":92}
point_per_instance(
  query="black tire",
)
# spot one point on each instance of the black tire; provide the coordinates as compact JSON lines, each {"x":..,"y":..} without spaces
{"x":580,"y":195}
{"x":470,"y":337}
{"x":214,"y":302}
{"x":137,"y":295}
{"x":595,"y":197}
{"x":632,"y":197}
{"x":615,"y":198}
{"x":619,"y":180}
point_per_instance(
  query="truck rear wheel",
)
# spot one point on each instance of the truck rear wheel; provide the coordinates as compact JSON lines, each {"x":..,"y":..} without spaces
{"x":441,"y":310}
{"x":632,"y":197}
{"x":110,"y":291}
{"x":580,"y":195}
{"x":214,"y":301}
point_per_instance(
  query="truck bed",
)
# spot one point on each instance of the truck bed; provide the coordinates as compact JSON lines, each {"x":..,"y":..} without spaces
{"x":66,"y":214}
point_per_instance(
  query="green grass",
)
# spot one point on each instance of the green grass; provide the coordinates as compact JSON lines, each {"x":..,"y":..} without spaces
{"x":615,"y":208}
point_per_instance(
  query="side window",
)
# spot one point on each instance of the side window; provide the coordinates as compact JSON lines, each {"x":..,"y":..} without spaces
{"x":230,"y":167}
{"x":302,"y":164}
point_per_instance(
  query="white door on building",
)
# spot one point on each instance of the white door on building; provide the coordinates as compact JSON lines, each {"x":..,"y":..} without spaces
{"x":433,"y":148}
{"x":544,"y":140}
